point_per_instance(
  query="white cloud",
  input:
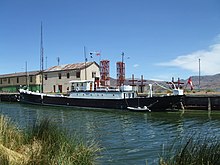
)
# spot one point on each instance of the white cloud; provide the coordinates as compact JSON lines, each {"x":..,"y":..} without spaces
{"x":136,"y":65}
{"x":209,"y":61}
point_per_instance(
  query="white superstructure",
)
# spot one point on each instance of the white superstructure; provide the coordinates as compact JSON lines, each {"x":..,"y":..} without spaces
{"x":90,"y":89}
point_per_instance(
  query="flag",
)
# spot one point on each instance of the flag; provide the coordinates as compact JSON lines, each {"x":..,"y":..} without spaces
{"x":190,"y":82}
{"x":96,"y":53}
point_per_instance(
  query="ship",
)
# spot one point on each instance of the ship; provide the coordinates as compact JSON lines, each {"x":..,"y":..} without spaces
{"x":87,"y":94}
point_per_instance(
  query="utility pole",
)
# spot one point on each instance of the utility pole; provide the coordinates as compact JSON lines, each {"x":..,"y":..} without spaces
{"x":26,"y":66}
{"x":199,"y":73}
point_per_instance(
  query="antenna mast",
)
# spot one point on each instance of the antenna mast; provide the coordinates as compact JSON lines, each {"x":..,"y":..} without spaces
{"x":58,"y":61}
{"x":41,"y":58}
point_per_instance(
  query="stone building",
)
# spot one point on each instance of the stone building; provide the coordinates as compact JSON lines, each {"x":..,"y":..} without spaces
{"x":12,"y":82}
{"x":57,"y":78}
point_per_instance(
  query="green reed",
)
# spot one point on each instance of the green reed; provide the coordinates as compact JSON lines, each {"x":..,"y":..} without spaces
{"x":196,"y":149}
{"x":44,"y":143}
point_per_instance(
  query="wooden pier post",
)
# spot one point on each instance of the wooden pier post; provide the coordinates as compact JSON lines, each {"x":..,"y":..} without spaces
{"x":209,"y":104}
{"x":182,"y":107}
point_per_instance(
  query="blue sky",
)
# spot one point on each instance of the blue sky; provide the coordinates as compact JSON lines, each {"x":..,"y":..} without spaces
{"x":161,"y":39}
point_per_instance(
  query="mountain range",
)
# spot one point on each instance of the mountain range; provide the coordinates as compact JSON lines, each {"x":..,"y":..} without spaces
{"x":207,"y":82}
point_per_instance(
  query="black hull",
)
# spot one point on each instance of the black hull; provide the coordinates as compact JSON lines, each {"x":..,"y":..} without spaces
{"x":154,"y":103}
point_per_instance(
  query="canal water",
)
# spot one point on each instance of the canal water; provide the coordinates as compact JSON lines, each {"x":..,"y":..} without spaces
{"x":126,"y":137}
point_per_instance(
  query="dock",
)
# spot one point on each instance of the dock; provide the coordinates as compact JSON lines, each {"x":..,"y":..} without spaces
{"x":202,"y":102}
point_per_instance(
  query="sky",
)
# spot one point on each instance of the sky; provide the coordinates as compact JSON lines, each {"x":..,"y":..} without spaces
{"x":160,"y":39}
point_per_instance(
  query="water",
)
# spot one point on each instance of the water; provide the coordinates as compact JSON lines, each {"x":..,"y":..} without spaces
{"x":126,"y":137}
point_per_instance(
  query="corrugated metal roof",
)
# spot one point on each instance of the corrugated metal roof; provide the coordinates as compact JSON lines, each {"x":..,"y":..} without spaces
{"x":31,"y":73}
{"x":51,"y":69}
{"x":68,"y":67}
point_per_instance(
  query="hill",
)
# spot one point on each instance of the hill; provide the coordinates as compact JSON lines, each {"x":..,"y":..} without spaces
{"x":207,"y":82}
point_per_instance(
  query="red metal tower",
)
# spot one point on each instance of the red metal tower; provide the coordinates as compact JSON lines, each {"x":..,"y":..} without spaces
{"x":120,"y":73}
{"x":104,"y":73}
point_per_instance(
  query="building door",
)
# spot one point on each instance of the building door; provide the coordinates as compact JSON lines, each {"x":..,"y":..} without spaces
{"x":54,"y":88}
{"x":60,"y":88}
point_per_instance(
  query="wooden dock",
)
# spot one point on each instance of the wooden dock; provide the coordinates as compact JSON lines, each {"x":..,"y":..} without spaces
{"x":202,"y":102}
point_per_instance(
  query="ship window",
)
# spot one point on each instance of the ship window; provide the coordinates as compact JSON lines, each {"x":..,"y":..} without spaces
{"x":68,"y":75}
{"x":90,"y":94}
{"x":113,"y":94}
{"x":72,"y":87}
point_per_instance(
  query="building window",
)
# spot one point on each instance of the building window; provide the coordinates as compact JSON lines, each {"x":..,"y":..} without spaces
{"x":0,"y":81}
{"x":45,"y":76}
{"x":59,"y":75}
{"x":9,"y":81}
{"x":17,"y":79}
{"x":68,"y":75}
{"x":31,"y":78}
{"x":93,"y":74}
{"x":78,"y":74}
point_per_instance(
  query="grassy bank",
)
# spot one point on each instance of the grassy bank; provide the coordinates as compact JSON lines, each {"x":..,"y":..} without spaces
{"x":194,"y":150}
{"x":43,"y":143}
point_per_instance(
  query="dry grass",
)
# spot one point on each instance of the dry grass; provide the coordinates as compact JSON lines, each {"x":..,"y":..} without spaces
{"x":43,"y":144}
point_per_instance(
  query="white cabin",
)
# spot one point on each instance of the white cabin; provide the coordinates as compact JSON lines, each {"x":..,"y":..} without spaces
{"x":82,"y":85}
{"x":90,"y":89}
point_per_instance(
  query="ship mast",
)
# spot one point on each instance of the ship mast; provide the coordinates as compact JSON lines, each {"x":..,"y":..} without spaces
{"x":85,"y":61}
{"x":41,"y":59}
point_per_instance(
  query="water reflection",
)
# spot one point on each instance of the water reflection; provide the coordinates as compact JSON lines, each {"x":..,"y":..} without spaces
{"x":127,"y":137}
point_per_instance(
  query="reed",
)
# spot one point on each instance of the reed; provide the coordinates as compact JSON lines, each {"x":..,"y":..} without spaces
{"x":193,"y":150}
{"x":44,"y":143}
